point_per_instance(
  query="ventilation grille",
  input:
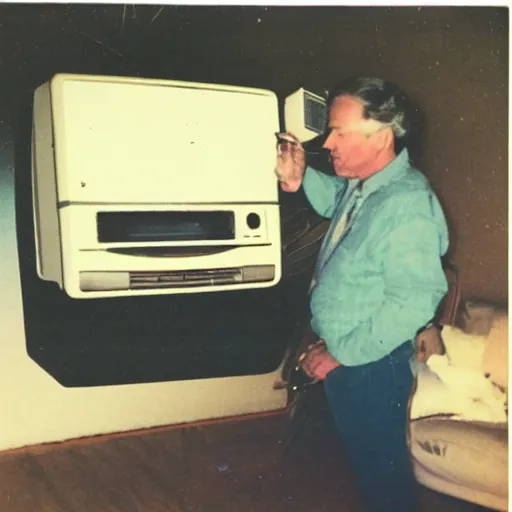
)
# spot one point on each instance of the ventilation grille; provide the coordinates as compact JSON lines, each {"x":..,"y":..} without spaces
{"x":214,"y":277}
{"x":315,"y":113}
{"x":109,"y":281}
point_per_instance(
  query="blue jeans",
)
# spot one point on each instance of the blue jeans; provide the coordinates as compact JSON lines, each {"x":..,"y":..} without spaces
{"x":369,"y":408}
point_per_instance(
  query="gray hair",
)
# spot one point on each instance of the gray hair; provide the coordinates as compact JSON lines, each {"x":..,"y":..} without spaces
{"x":383,"y":101}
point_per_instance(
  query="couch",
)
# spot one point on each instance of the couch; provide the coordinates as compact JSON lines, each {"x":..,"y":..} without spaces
{"x":458,"y":429}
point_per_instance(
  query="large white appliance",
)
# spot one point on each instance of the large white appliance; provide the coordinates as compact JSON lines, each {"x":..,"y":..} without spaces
{"x":144,"y":186}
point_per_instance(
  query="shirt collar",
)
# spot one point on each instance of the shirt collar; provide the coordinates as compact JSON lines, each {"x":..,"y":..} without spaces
{"x":397,"y":166}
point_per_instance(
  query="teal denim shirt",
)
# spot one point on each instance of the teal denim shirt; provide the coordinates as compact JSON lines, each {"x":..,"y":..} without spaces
{"x":383,"y":281}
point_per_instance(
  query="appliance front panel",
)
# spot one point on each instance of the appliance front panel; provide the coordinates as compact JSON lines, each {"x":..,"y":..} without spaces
{"x":137,"y":141}
{"x":82,"y":253}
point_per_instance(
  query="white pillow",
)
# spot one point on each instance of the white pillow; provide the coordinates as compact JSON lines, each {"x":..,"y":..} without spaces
{"x":456,"y":382}
{"x":437,"y":396}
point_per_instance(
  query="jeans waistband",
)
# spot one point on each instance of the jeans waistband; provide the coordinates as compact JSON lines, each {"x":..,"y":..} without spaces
{"x":404,"y":351}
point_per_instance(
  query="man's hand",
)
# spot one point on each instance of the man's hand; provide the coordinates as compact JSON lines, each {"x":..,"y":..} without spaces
{"x":291,"y":162}
{"x":429,"y":342}
{"x":316,"y":363}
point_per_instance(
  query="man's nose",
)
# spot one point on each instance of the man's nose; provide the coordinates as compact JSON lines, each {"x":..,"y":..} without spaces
{"x":328,"y":143}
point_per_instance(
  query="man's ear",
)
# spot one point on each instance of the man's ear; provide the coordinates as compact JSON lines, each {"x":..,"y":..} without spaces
{"x":385,"y":138}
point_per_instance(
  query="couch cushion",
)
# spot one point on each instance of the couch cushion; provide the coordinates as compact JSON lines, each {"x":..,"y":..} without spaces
{"x":490,"y":324}
{"x":470,"y":454}
{"x":495,"y":358}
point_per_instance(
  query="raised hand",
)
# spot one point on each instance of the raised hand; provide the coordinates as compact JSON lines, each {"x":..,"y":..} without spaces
{"x":291,"y":162}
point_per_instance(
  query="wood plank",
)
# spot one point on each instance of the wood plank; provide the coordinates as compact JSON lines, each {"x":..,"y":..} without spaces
{"x":209,"y":467}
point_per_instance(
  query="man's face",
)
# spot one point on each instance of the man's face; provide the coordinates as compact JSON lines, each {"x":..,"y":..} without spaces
{"x":352,"y":140}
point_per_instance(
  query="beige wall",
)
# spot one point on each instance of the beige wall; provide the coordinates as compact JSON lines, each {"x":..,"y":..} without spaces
{"x":456,"y":65}
{"x":453,"y":61}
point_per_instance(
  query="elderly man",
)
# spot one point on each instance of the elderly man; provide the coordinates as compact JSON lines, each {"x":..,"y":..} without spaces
{"x":377,"y":282}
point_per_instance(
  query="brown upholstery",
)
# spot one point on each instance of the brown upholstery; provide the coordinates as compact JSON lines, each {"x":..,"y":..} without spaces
{"x":450,"y":303}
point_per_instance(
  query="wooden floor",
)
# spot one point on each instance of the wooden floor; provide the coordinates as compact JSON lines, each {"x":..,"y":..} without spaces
{"x":235,"y":466}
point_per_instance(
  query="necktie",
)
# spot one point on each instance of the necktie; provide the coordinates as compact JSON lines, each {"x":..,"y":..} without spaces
{"x":337,"y":231}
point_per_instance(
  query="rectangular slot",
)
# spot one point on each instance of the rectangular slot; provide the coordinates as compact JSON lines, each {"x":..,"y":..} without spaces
{"x":156,"y":226}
